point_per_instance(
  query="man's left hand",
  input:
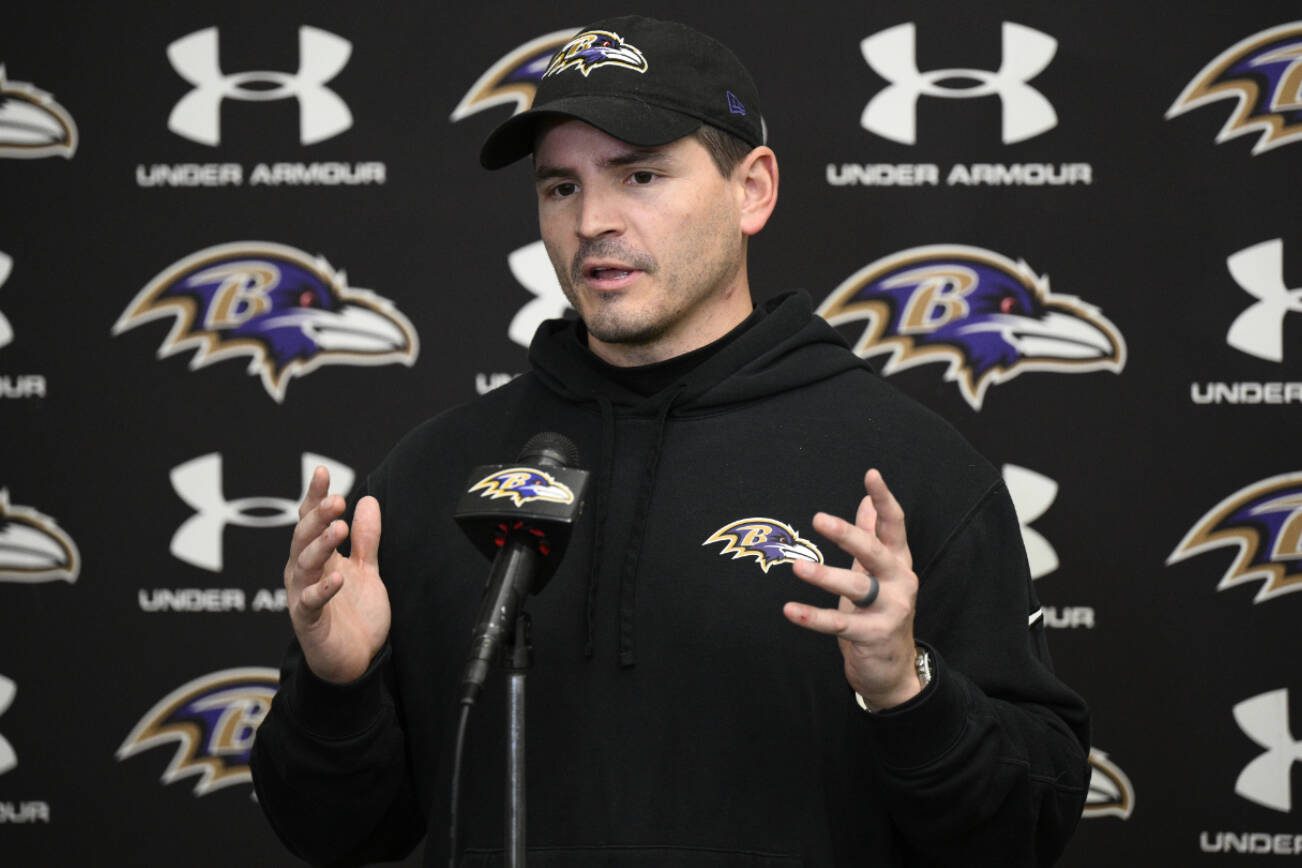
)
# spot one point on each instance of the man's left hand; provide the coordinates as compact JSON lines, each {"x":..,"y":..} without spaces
{"x":876,"y":640}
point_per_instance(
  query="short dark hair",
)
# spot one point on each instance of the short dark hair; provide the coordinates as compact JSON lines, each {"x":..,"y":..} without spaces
{"x":725,"y":149}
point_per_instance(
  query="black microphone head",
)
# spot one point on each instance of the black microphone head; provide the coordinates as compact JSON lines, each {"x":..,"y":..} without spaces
{"x":548,"y":447}
{"x":537,"y":499}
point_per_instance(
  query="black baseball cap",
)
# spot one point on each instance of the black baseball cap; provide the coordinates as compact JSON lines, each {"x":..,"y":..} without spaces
{"x":643,"y":81}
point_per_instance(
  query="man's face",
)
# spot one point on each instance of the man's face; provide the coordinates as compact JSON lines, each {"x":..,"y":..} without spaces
{"x":646,"y":242}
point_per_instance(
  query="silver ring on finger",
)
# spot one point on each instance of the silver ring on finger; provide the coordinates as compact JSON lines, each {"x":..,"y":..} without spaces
{"x":874,"y":588}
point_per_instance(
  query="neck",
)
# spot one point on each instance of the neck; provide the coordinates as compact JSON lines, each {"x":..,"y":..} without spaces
{"x":701,"y":328}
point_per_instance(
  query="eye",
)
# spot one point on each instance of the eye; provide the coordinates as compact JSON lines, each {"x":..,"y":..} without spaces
{"x":306,"y":299}
{"x":1007,"y":304}
{"x":563,"y":189}
{"x":642,"y":177}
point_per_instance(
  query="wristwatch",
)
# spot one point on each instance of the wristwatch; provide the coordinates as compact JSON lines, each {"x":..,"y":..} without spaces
{"x":921,"y":665}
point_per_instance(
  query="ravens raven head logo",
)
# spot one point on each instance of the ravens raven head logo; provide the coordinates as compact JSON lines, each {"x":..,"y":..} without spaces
{"x":32,"y":124}
{"x":212,"y":721}
{"x":988,"y":317}
{"x":767,"y":540}
{"x":593,"y":49}
{"x":1263,"y":73}
{"x":33,"y":548}
{"x":1110,"y":793}
{"x":288,"y":312}
{"x":1264,"y":521}
{"x":514,"y":78}
{"x":522,"y":485}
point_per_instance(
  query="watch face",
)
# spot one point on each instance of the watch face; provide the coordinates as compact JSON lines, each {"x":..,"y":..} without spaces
{"x":922,"y":665}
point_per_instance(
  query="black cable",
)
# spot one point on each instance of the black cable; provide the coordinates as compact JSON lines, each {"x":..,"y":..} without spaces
{"x":455,"y":797}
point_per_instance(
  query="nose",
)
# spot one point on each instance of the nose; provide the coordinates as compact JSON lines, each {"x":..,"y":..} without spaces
{"x":599,"y":213}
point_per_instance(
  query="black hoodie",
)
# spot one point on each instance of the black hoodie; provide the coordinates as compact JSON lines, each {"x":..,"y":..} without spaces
{"x":675,"y":717}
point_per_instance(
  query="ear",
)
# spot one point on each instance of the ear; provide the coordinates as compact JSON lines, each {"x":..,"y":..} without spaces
{"x":757,"y":177}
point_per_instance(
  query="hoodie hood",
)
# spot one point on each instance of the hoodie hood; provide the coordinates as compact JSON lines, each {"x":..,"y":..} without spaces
{"x":785,"y":348}
{"x":782,"y":347}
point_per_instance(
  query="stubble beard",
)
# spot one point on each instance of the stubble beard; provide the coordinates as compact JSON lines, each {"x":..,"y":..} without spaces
{"x":603,"y":318}
{"x":702,"y":273}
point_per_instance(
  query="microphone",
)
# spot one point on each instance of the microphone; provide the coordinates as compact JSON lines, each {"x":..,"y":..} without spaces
{"x":520,"y":515}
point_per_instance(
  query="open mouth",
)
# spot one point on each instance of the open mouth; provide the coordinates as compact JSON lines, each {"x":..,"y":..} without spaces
{"x":608,"y":273}
{"x":605,"y":276}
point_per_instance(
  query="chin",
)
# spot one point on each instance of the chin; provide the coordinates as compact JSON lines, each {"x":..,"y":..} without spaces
{"x":633,"y":330}
{"x":623,"y":333}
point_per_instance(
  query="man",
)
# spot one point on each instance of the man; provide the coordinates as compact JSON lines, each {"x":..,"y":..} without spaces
{"x":675,"y":718}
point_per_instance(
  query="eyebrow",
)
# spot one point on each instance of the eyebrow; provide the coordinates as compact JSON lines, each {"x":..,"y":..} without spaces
{"x":633,"y":156}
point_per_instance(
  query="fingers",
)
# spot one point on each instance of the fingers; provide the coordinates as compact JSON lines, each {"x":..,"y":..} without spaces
{"x":312,"y":519}
{"x":366,"y":532}
{"x":313,"y":522}
{"x":866,"y":515}
{"x":877,"y":542}
{"x":317,"y":487}
{"x":859,"y":541}
{"x":827,"y":621}
{"x":851,"y":584}
{"x":890,"y":515}
{"x":876,"y":639}
{"x":319,"y":593}
{"x":877,"y":539}
{"x":306,"y":568}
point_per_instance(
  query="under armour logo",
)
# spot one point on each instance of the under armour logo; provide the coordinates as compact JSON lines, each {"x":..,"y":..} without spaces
{"x":1259,"y":330}
{"x":8,"y":759}
{"x":892,"y":113}
{"x":1266,"y":780}
{"x":1032,"y":494}
{"x":6,"y":330}
{"x":198,"y":541}
{"x":322,"y":113}
{"x":533,"y":269}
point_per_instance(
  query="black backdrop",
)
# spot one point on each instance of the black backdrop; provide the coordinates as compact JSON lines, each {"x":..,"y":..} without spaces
{"x":143,"y":529}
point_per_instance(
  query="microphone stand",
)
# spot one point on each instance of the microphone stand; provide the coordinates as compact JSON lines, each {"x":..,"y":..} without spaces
{"x":517,"y":656}
{"x":524,"y":538}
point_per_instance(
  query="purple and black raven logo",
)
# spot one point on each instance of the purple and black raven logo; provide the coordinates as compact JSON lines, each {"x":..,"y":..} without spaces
{"x":1264,"y":520}
{"x":986,"y":316}
{"x":767,"y":540}
{"x":522,"y":485}
{"x":33,"y":548}
{"x":288,"y":312}
{"x":513,"y":78}
{"x":32,"y":124}
{"x":1263,"y":73}
{"x":593,"y":49}
{"x":212,"y":721}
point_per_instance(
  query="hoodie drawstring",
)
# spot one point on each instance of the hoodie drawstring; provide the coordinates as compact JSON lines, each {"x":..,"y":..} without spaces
{"x":628,"y":574}
{"x":602,"y":491}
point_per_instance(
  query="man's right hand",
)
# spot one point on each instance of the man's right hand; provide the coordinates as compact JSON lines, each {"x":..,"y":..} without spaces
{"x":339,"y":606}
